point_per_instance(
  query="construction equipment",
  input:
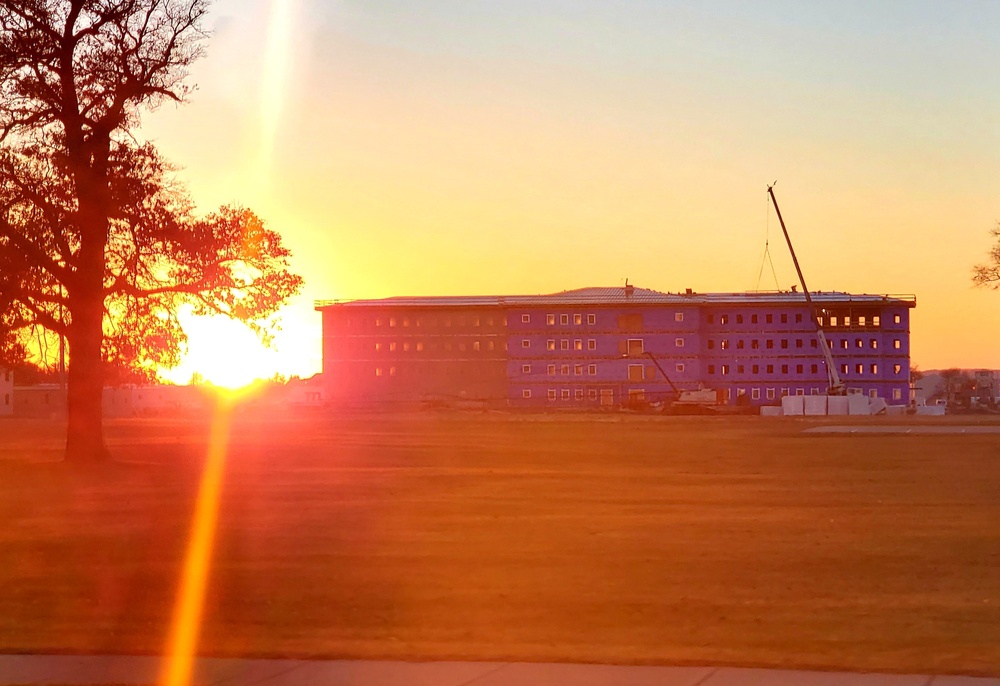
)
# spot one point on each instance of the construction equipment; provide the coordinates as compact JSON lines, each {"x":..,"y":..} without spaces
{"x":703,"y":398}
{"x":836,"y":386}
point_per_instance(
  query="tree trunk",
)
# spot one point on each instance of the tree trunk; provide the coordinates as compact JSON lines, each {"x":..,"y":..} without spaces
{"x":85,"y":388}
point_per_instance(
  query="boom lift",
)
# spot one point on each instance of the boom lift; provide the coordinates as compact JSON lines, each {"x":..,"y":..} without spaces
{"x":836,"y":385}
{"x":703,"y":398}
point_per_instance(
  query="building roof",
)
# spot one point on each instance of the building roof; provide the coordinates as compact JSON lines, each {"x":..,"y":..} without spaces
{"x":620,"y":295}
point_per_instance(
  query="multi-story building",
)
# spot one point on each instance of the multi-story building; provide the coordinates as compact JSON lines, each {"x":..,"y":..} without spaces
{"x":607,"y":346}
{"x":6,"y":392}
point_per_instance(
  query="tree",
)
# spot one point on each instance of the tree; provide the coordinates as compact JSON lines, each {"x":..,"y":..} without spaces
{"x":98,"y":242}
{"x":989,"y":274}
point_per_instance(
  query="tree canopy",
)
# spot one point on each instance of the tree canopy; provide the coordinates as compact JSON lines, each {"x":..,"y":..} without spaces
{"x":989,"y":274}
{"x":98,"y":240}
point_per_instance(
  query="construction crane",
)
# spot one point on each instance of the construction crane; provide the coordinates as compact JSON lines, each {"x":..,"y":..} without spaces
{"x":704,"y":398}
{"x":836,"y":386}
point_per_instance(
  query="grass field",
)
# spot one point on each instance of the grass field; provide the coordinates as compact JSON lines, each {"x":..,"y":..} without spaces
{"x":736,"y":541}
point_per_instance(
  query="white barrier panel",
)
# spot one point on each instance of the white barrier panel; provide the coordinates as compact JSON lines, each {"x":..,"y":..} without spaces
{"x":931,"y":410}
{"x":770,"y":411}
{"x":815,"y":404}
{"x":857,"y":404}
{"x":896,"y":410}
{"x":836,"y":404}
{"x":792,"y":405}
{"x":877,"y":405}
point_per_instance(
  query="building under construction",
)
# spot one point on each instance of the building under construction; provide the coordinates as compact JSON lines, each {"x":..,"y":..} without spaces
{"x":609,"y":347}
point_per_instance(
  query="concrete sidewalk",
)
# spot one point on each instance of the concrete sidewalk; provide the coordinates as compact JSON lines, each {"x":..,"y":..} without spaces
{"x":143,"y":671}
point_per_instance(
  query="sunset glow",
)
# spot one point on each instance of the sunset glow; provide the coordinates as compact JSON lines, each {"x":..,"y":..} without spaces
{"x":521,"y":147}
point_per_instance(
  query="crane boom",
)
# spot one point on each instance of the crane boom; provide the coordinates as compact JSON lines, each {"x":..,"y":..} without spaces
{"x":836,"y":385}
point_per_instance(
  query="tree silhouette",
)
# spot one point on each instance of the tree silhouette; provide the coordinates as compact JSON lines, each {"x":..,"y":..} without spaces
{"x":98,"y":242}
{"x":989,"y":274}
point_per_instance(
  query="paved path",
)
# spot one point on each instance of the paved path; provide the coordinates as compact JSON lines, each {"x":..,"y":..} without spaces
{"x":903,"y":429}
{"x":143,"y":671}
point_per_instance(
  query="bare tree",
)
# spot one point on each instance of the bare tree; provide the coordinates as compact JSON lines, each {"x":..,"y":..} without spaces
{"x":989,"y":274}
{"x":101,"y":242}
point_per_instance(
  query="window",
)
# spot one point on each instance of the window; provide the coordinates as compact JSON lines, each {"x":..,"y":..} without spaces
{"x":784,"y":319}
{"x":843,"y":369}
{"x":847,"y":320}
{"x":550,"y":344}
{"x":770,"y":369}
{"x":592,"y":369}
{"x":591,"y":319}
{"x":724,"y":319}
{"x":564,"y":319}
{"x":525,"y":368}
{"x":770,"y":343}
{"x":592,"y":393}
{"x":634,"y":347}
{"x":858,"y":343}
{"x":552,"y":394}
{"x":678,"y":316}
{"x":711,"y":369}
{"x":739,"y":344}
{"x":739,"y":369}
{"x":755,"y":369}
{"x":578,"y":370}
{"x":635,"y":372}
{"x":378,"y":347}
{"x":679,"y":367}
{"x":392,"y":347}
{"x":564,"y":369}
{"x":711,"y":344}
{"x":564,"y":344}
{"x":859,"y":368}
{"x":526,"y":393}
{"x":784,"y":392}
{"x":578,"y":319}
{"x":753,"y":319}
{"x":873,"y":368}
{"x":896,"y":344}
{"x":550,"y":319}
{"x":754,"y":344}
{"x":897,"y":394}
{"x":591,"y":344}
{"x":784,"y":369}
{"x":490,"y":345}
{"x":525,"y":319}
{"x":724,"y":344}
{"x":392,"y":371}
{"x":833,"y":320}
{"x":770,"y":394}
{"x":378,"y":371}
{"x":769,"y":318}
{"x":578,"y":344}
{"x":679,"y":342}
{"x":755,"y":394}
{"x":798,"y":342}
{"x":798,"y":369}
{"x":551,"y":370}
{"x":843,"y":343}
{"x":813,"y":369}
{"x":813,"y":391}
{"x":525,"y":343}
{"x":406,"y":321}
{"x":897,"y":368}
{"x":800,"y":391}
{"x":725,"y":369}
{"x":578,"y":394}
{"x":392,"y":321}
{"x":798,"y":318}
{"x":861,"y":320}
{"x":710,"y":318}
{"x":784,"y":343}
{"x":872,"y":393}
{"x":896,"y":319}
{"x":876,"y":320}
{"x":739,"y":319}
{"x":813,"y":343}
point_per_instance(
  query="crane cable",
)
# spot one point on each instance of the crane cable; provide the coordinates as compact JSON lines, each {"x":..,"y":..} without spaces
{"x":767,"y":249}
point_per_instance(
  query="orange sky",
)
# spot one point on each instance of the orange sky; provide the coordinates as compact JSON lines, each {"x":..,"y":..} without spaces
{"x":526,"y":147}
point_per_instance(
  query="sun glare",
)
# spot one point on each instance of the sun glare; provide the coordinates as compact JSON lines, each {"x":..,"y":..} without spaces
{"x":223,"y":353}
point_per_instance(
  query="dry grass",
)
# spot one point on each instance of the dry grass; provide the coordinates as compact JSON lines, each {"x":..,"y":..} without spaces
{"x":627,"y":540}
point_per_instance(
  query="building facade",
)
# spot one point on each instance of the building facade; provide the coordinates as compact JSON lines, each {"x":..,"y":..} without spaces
{"x":6,"y":393}
{"x":608,"y":347}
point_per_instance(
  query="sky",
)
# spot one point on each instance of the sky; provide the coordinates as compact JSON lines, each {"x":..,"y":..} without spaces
{"x":515,"y":146}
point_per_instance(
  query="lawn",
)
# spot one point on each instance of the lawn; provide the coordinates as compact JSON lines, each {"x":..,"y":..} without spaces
{"x":685,"y":540}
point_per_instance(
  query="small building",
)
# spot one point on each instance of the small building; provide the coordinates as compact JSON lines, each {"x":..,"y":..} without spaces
{"x":608,"y":347}
{"x":40,"y":400}
{"x":6,"y":393}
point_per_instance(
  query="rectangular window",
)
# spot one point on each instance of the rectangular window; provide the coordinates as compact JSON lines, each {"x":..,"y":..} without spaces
{"x":739,"y":344}
{"x":859,"y":368}
{"x":876,"y":320}
{"x":873,"y":368}
{"x":564,"y":344}
{"x":770,"y":394}
{"x":897,"y":368}
{"x":784,"y":319}
{"x":592,"y":344}
{"x":525,"y":319}
{"x":798,"y":342}
{"x":679,"y":367}
{"x":550,"y":319}
{"x":784,"y":343}
{"x":678,"y":316}
{"x":725,"y":369}
{"x":378,"y":371}
{"x":710,"y":318}
{"x":873,"y":343}
{"x":753,"y":319}
{"x":711,"y":344}
{"x":784,"y":369}
{"x":392,"y":347}
{"x":592,"y":369}
{"x":739,"y":369}
{"x":754,"y":344}
{"x":578,"y":344}
{"x":634,"y":347}
{"x":526,"y":393}
{"x":896,"y":344}
{"x":490,"y":345}
{"x":392,"y":321}
{"x":591,"y":319}
{"x":378,"y":322}
{"x":578,"y":319}
{"x":551,"y":370}
{"x":755,"y":394}
{"x":592,"y":393}
{"x":739,"y":319}
{"x":564,"y":369}
{"x":724,"y":344}
{"x":843,"y":344}
{"x":678,"y":342}
{"x":378,"y":347}
{"x":847,"y":320}
{"x":798,"y":369}
{"x":770,"y":343}
{"x":769,"y":318}
{"x":552,"y":394}
{"x":784,"y":392}
{"x":578,"y":370}
{"x":711,"y":369}
{"x":858,"y":343}
{"x":861,"y":320}
{"x":525,"y":368}
{"x":755,"y":369}
{"x":565,"y":394}
{"x":770,"y":369}
{"x":420,"y":346}
{"x":550,"y":344}
{"x":564,"y":319}
{"x":813,"y":343}
{"x":635,"y":372}
{"x":800,"y":391}
{"x":578,"y":394}
{"x":843,"y":369}
{"x":724,"y":319}
{"x":392,"y":371}
{"x":475,"y":346}
{"x":525,"y":343}
{"x":833,"y":321}
{"x":813,"y":369}
{"x":798,"y":318}
{"x":897,"y":394}
{"x":872,"y":393}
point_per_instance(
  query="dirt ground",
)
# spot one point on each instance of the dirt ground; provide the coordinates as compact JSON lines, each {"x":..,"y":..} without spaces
{"x":686,"y":540}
